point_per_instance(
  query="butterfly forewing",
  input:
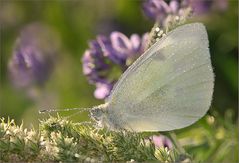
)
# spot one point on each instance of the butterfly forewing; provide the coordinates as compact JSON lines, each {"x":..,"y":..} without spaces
{"x":169,"y":87}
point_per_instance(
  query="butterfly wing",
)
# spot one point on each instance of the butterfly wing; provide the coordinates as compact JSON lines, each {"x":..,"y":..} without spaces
{"x":169,"y":87}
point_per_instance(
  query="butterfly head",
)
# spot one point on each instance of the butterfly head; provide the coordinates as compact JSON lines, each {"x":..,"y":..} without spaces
{"x":97,"y":113}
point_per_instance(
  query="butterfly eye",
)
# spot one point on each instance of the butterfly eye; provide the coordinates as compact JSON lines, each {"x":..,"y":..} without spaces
{"x":96,"y":114}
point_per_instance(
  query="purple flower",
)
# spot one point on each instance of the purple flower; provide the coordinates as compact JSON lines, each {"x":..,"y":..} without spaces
{"x":163,"y":13}
{"x":156,"y":9}
{"x":200,"y":7}
{"x":162,"y":141}
{"x":159,"y":10}
{"x":104,"y":53}
{"x":33,"y":57}
{"x":102,"y":89}
{"x":204,"y":6}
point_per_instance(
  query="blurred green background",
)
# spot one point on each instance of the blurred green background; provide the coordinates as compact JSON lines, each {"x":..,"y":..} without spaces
{"x":76,"y":22}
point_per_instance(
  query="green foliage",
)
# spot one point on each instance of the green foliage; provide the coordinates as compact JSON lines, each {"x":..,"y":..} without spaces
{"x":213,"y":139}
{"x":61,"y":140}
{"x":58,"y":139}
{"x":17,"y":143}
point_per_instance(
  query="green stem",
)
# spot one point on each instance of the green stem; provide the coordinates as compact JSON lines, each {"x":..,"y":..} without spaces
{"x":176,"y":142}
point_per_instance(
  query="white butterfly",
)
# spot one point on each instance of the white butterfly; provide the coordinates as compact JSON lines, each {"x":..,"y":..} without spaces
{"x":169,"y":87}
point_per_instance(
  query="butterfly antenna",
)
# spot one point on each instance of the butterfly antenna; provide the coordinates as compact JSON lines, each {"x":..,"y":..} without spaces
{"x":77,"y":113}
{"x":63,"y":110}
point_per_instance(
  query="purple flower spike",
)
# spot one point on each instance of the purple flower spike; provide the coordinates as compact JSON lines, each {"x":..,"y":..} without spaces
{"x":109,"y":51}
{"x":102,"y":90}
{"x":156,"y":9}
{"x":136,"y":42}
{"x":162,"y":141}
{"x":200,"y":7}
{"x":174,"y":6}
{"x":33,"y":57}
{"x":104,"y":53}
{"x":121,"y":44}
{"x":88,"y":63}
{"x":161,"y":12}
